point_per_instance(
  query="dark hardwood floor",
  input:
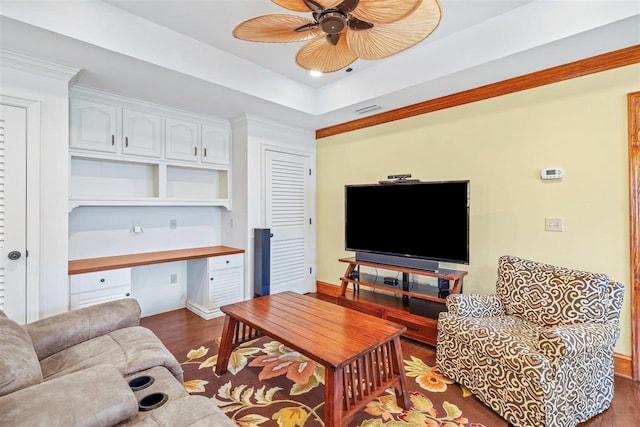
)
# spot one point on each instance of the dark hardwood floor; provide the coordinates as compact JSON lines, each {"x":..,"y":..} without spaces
{"x":182,"y":329}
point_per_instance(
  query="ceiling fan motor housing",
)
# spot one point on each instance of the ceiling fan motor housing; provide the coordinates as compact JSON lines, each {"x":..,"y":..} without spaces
{"x":332,"y":21}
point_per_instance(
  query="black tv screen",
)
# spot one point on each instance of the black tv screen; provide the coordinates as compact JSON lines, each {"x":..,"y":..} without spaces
{"x":425,"y":220}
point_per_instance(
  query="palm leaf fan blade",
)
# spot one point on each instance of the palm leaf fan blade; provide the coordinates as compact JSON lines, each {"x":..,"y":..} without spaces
{"x":384,"y":40}
{"x":277,"y":28}
{"x":384,"y":11}
{"x":320,"y":55}
{"x":301,"y":6}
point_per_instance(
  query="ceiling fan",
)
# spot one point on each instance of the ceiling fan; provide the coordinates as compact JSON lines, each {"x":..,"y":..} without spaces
{"x":342,"y":31}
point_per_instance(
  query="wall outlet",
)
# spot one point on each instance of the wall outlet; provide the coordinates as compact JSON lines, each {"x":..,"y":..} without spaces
{"x":553,"y":224}
{"x":174,"y":278}
{"x":173,"y":223}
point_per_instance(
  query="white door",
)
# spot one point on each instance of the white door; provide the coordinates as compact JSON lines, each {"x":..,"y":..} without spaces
{"x":288,"y":215}
{"x":13,"y":227}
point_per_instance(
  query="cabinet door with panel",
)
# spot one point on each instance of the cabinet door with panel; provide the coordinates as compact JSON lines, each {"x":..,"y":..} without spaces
{"x":182,"y":140}
{"x":214,"y":283}
{"x":94,"y":125}
{"x":101,"y":286}
{"x":215,"y":144}
{"x":141,"y":133}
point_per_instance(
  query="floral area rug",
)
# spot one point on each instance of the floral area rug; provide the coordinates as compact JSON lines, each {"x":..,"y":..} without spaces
{"x":268,"y":384}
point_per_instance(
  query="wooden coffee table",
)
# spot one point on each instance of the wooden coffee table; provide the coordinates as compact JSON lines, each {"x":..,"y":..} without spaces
{"x":361,"y":353}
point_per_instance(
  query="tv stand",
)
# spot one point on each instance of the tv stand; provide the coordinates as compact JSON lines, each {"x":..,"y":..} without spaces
{"x":412,"y":304}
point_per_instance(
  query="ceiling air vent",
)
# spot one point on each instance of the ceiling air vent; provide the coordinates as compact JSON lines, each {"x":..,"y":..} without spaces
{"x":368,"y":109}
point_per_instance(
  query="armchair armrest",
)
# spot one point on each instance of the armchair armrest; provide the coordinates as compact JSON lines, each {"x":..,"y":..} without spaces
{"x":474,"y":305}
{"x":97,"y":396}
{"x":572,"y":340}
{"x":55,"y":333}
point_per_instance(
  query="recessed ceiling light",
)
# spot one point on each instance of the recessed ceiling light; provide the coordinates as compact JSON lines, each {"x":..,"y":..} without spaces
{"x":315,"y":73}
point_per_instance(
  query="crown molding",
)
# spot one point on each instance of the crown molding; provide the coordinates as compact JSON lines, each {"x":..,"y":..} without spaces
{"x":38,"y":66}
{"x":595,"y":64}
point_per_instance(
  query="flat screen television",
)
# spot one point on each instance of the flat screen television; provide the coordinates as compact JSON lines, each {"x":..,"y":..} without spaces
{"x":408,"y":224}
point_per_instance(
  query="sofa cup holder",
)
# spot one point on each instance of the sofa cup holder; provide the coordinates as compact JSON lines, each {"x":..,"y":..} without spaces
{"x":152,"y":401}
{"x":141,"y":382}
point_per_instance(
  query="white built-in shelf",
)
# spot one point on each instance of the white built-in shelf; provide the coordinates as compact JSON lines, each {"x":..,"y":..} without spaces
{"x":126,"y":153}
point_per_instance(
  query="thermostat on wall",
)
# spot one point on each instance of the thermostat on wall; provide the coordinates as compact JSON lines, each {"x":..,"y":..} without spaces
{"x":551,"y":173}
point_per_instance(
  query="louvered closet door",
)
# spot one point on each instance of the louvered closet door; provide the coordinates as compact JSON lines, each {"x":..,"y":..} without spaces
{"x":288,"y":216}
{"x":13,"y":278}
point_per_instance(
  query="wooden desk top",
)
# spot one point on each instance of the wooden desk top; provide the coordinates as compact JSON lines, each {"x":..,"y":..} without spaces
{"x":325,"y":332}
{"x":89,"y":265}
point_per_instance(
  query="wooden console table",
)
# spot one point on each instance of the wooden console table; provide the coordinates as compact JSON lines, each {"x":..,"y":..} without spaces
{"x":361,"y":355}
{"x":426,"y":298}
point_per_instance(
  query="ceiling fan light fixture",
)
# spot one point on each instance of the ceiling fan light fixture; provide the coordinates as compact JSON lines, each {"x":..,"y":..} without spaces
{"x":332,"y":22}
{"x":344,"y":30}
{"x":315,"y":73}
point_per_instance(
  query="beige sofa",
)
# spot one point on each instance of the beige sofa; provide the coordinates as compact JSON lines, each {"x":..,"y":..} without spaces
{"x":94,"y":366}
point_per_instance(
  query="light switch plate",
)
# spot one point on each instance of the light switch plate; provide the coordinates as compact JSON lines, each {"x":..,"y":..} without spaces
{"x":553,"y":224}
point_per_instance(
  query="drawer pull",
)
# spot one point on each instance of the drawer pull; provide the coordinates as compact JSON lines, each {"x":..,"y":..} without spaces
{"x":102,"y":280}
{"x":412,"y":328}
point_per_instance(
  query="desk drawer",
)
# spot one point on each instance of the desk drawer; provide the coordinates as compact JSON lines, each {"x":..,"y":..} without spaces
{"x":422,"y":330}
{"x":86,"y":299}
{"x":225,"y":261}
{"x":88,"y":282}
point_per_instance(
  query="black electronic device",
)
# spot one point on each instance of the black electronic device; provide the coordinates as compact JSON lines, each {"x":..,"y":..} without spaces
{"x":412,"y":225}
{"x":391,"y":281}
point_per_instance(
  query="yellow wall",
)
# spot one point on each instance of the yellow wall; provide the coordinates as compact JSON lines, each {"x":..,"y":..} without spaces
{"x":500,"y":145}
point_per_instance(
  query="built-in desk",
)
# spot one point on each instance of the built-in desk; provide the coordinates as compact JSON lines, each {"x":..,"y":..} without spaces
{"x":215,"y":277}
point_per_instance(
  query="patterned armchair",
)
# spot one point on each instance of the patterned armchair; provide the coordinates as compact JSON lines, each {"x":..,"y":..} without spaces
{"x":540,"y":351}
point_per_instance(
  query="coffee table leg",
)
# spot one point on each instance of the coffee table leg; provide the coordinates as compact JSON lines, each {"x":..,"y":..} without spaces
{"x":397,"y":365}
{"x":333,"y":392}
{"x":226,"y":344}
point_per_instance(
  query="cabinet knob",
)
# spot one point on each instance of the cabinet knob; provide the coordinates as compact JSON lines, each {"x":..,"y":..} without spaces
{"x":14,"y":255}
{"x":128,"y":294}
{"x":227,"y":261}
{"x":211,"y":278}
{"x":102,"y":280}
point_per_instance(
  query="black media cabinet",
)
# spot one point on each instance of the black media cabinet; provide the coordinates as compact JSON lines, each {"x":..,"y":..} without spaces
{"x":412,"y":304}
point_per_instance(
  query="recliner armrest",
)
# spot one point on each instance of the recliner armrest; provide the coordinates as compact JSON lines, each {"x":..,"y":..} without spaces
{"x":572,"y":340}
{"x":97,"y":396}
{"x":55,"y":333}
{"x":474,"y":305}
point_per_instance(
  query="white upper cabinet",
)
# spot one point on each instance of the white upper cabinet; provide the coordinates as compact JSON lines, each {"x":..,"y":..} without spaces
{"x":215,"y":144}
{"x":141,"y":133}
{"x":94,"y":126}
{"x":182,"y":140}
{"x":125,"y":152}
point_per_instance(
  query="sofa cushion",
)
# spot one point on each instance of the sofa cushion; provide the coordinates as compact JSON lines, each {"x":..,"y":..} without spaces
{"x":130,"y":350}
{"x":510,"y":341}
{"x":19,"y":367}
{"x":96,"y":397}
{"x":53,"y":334}
{"x":550,"y":296}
